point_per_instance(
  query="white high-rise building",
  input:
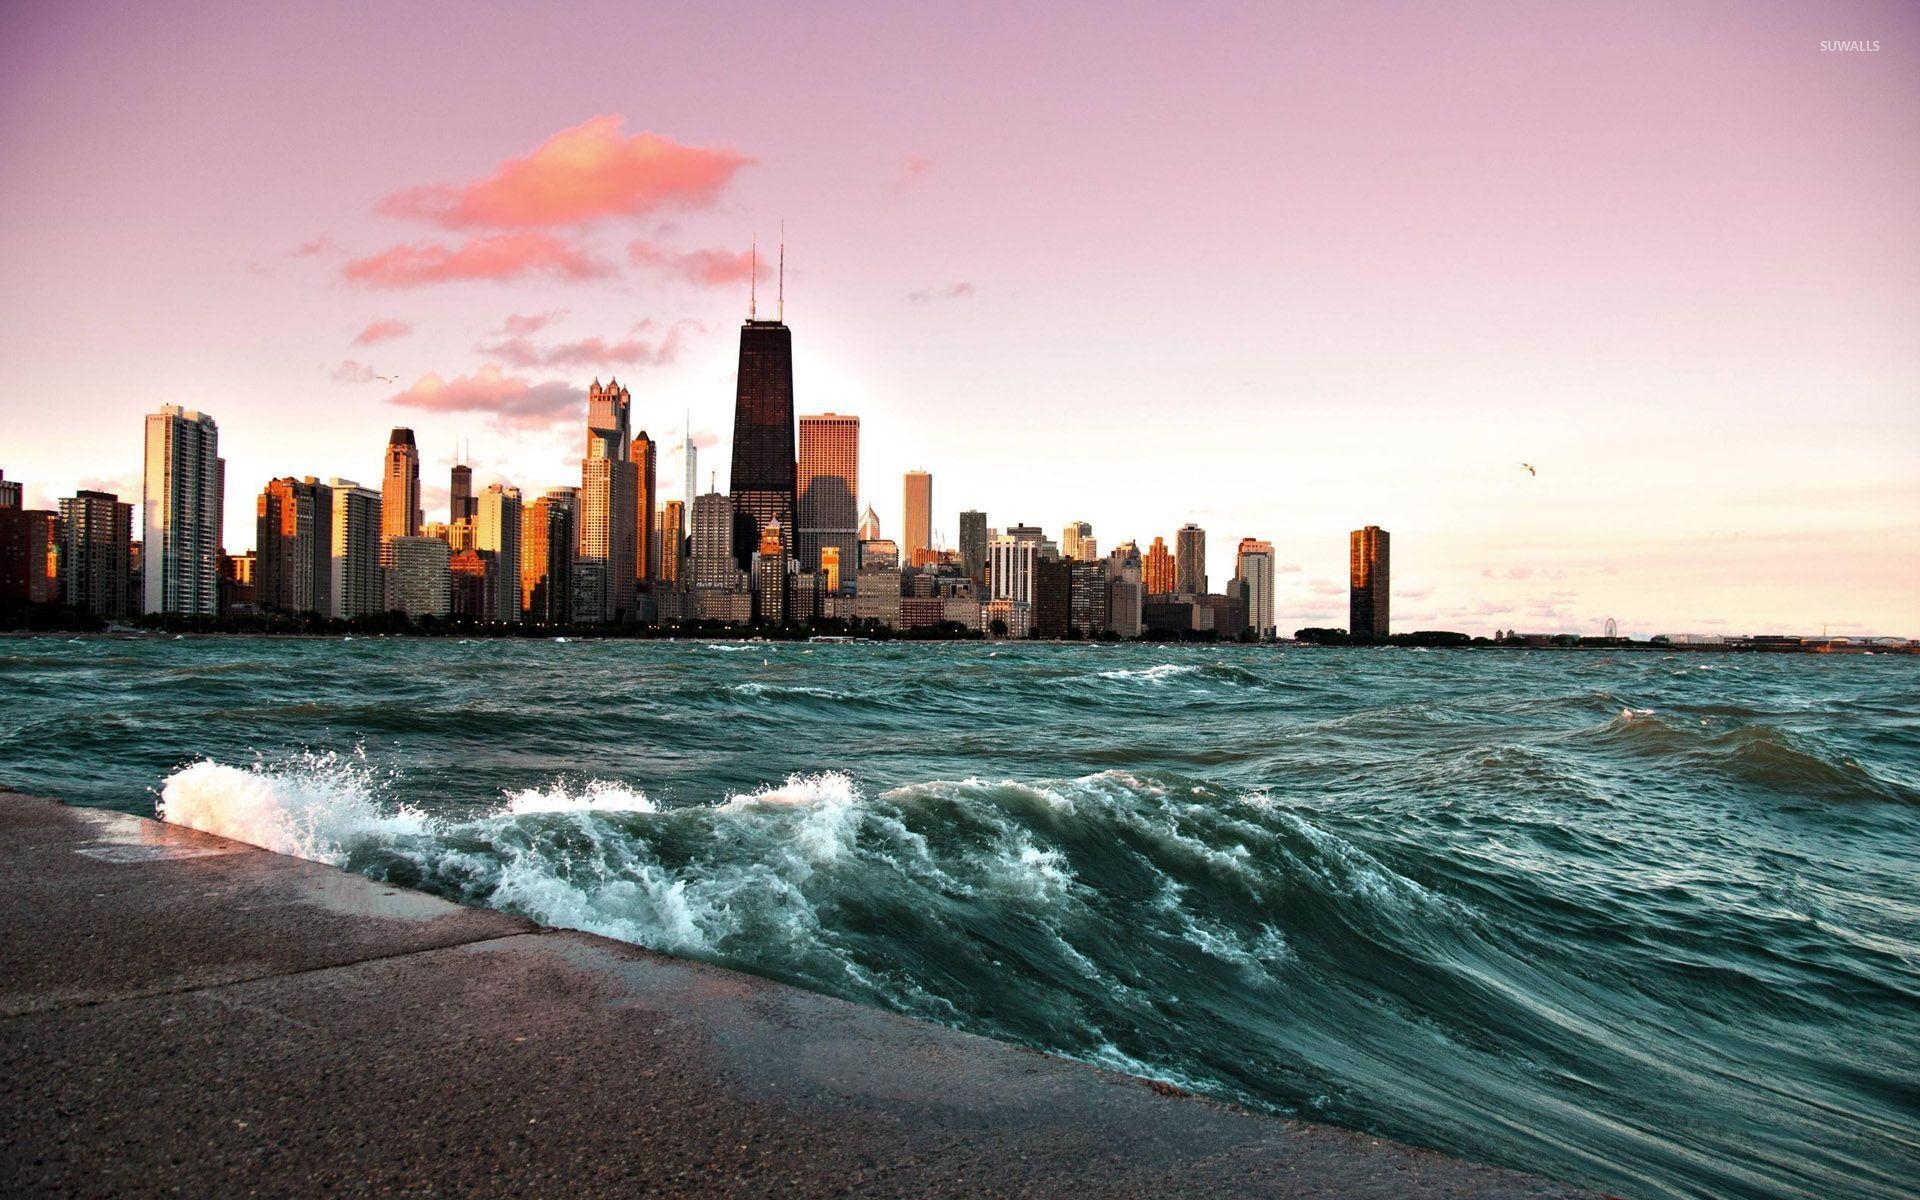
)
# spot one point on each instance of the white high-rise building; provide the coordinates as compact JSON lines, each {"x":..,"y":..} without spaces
{"x":358,"y":585}
{"x":1254,"y":571}
{"x":182,"y":506}
{"x":497,"y":532}
{"x":1010,"y":566}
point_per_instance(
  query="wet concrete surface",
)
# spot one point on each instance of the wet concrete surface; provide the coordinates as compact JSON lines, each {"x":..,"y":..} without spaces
{"x":182,"y":1015}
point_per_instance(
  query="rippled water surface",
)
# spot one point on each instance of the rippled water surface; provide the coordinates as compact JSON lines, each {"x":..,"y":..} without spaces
{"x":1644,"y":921}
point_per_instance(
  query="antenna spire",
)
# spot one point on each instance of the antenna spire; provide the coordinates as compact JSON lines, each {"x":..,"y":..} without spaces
{"x":753,"y":285}
{"x":780,"y":309}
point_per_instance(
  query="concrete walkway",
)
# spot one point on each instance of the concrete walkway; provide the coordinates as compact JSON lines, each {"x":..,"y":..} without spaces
{"x":184,"y":1015}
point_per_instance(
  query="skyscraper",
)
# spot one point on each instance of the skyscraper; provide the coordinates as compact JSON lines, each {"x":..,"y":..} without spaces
{"x":180,"y":513}
{"x":9,"y":492}
{"x":497,"y":533}
{"x":869,"y":530}
{"x":1254,"y":572}
{"x":712,"y":565}
{"x":293,"y":546}
{"x":609,"y":492}
{"x":1368,"y":572}
{"x":916,"y":527}
{"x":422,"y":575}
{"x":97,"y":533}
{"x":460,"y":502}
{"x":646,"y":566}
{"x":1190,"y":560}
{"x":1076,"y":542}
{"x":973,"y":544}
{"x":692,"y":456}
{"x":770,"y":573}
{"x":673,"y":535}
{"x":1157,"y":576}
{"x":828,"y":483}
{"x":546,"y":559}
{"x":399,"y":492}
{"x":762,"y":479}
{"x":357,"y":583}
{"x":1011,"y":563}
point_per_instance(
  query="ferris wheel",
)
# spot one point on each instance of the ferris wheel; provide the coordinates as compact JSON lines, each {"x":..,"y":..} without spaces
{"x":1613,"y":628}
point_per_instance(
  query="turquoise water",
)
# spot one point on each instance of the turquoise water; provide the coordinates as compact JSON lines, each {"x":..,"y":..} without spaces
{"x":1644,"y":921}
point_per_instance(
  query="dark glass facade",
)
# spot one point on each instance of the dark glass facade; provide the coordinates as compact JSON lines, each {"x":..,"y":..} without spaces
{"x":1369,"y":569}
{"x":762,"y":479}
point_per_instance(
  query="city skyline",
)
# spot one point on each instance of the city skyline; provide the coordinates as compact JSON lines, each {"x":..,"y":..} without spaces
{"x":1711,"y":455}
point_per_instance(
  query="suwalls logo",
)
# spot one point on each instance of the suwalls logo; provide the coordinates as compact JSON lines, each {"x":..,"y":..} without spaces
{"x":1872,"y":47}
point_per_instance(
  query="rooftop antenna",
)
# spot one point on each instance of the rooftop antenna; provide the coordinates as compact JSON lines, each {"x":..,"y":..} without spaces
{"x":780,"y":305}
{"x":753,"y":286}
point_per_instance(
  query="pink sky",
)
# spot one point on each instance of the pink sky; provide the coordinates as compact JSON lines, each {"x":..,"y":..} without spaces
{"x":1282,"y":270}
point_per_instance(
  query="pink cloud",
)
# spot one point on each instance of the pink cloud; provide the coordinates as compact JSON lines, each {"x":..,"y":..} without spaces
{"x":498,"y":257}
{"x":594,"y":351}
{"x":711,"y":267}
{"x":384,"y":329}
{"x":580,"y":174}
{"x":319,"y":245}
{"x":509,"y":399}
{"x":953,"y":291}
{"x":519,"y":324}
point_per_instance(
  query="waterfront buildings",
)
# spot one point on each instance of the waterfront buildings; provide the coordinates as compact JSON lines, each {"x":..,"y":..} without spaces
{"x":183,"y":499}
{"x":460,"y":502}
{"x":29,"y":551}
{"x":293,"y":545}
{"x":609,"y":493}
{"x":1368,"y":574}
{"x":1010,"y":566}
{"x":95,"y":556}
{"x":422,"y":576}
{"x":1254,"y":574}
{"x":1157,"y":571}
{"x":1076,"y":542}
{"x":399,"y":491}
{"x":1052,"y":597}
{"x":711,"y":565}
{"x":829,"y":572}
{"x":770,"y":575}
{"x":356,"y":582}
{"x":1190,"y":560}
{"x":973,"y":544}
{"x":828,"y":483}
{"x":546,"y":558}
{"x":646,"y":534}
{"x":916,"y":533}
{"x":762,"y":479}
{"x":497,"y":534}
{"x":673,"y":541}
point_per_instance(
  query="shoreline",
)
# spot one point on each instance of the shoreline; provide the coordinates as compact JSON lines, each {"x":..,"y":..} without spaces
{"x":189,"y":1013}
{"x":515,"y":634}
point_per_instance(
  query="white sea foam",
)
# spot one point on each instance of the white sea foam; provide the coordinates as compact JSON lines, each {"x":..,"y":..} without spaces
{"x":597,"y":796}
{"x":1154,"y":674}
{"x":315,"y":806}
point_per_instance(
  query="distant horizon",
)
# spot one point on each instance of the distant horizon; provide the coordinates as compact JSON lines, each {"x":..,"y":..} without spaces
{"x":1280,"y":273}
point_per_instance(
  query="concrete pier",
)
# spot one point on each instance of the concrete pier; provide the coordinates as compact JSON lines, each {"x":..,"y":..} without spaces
{"x":184,"y":1015}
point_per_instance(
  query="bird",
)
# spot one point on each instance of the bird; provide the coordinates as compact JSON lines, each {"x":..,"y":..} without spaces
{"x":396,"y":379}
{"x":1530,"y":470}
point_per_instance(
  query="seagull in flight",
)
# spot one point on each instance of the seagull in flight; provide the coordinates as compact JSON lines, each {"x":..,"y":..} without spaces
{"x":1530,"y":470}
{"x":396,"y":379}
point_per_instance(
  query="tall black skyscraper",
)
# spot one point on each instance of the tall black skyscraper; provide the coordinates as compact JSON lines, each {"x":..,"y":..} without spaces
{"x":762,"y":481}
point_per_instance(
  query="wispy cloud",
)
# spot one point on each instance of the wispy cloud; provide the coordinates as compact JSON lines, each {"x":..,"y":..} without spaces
{"x":353,"y":371}
{"x":520,"y":324}
{"x":710,"y":266}
{"x":590,"y":171}
{"x":594,"y":351}
{"x":382,"y":330}
{"x":953,"y":291}
{"x":319,"y":245}
{"x":510,"y":400}
{"x":498,"y":257}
